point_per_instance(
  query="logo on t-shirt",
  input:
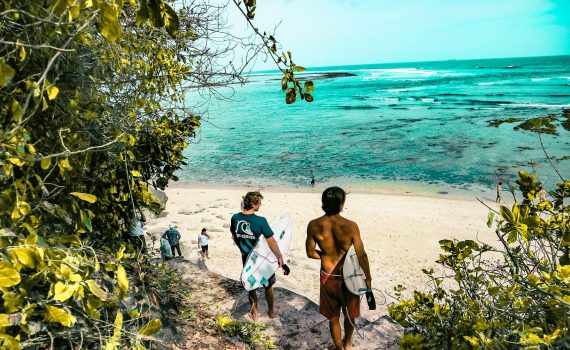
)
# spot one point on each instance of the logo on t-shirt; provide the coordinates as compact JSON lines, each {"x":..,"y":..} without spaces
{"x":244,"y":230}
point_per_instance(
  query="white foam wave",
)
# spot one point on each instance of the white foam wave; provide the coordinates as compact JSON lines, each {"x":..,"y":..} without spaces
{"x":384,"y":99}
{"x":396,"y":90}
{"x":399,"y":74}
{"x":428,"y":99}
{"x":539,"y":79}
{"x":533,"y":105}
{"x":486,"y":83}
{"x":489,"y":108}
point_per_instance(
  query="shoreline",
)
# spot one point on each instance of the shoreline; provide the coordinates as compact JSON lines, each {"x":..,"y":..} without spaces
{"x":400,"y":231}
{"x":387,"y":187}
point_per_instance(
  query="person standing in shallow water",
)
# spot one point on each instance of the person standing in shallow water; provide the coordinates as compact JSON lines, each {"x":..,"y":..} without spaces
{"x":246,"y":228}
{"x":499,"y":190}
{"x":334,"y":235}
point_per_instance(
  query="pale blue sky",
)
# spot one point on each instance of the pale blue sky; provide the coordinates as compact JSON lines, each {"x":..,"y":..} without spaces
{"x":339,"y":32}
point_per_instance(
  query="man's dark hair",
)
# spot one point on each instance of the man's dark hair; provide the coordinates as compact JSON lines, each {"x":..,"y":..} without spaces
{"x":333,"y":199}
{"x":251,"y":199}
{"x":204,"y":229}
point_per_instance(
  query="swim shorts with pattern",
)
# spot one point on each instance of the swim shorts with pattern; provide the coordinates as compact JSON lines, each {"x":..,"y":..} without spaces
{"x":335,"y":295}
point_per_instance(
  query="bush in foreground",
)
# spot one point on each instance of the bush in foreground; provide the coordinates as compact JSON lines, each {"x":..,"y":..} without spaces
{"x":513,"y":297}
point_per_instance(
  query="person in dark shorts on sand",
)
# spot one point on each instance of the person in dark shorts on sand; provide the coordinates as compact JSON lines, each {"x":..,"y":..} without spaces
{"x":246,"y":228}
{"x":203,"y":243}
{"x":334,"y":235}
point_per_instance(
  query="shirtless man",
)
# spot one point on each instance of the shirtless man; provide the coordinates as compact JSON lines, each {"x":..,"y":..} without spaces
{"x":334,"y":235}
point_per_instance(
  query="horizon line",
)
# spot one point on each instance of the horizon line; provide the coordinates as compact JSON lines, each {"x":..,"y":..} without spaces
{"x":404,"y":62}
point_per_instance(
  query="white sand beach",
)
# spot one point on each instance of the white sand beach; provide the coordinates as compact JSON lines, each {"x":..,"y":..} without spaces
{"x":400,"y":231}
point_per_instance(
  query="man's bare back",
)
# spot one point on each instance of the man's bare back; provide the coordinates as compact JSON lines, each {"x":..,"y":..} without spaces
{"x":334,"y":235}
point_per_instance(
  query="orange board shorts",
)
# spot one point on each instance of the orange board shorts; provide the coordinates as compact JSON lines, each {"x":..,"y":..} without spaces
{"x":335,"y":295}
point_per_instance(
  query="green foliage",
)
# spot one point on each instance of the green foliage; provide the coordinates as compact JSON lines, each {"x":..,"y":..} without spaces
{"x":92,"y":112}
{"x":517,"y":297}
{"x":248,"y":332}
{"x":284,"y":61}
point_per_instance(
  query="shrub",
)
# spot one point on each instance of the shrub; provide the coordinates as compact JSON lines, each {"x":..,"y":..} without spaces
{"x":513,"y":297}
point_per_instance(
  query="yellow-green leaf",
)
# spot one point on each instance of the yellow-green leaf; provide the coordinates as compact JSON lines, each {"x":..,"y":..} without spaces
{"x":16,"y":161}
{"x":52,"y":92}
{"x":122,"y":278}
{"x":9,"y":342}
{"x":85,"y":196}
{"x":62,"y":292}
{"x":152,"y":327}
{"x":120,"y":253}
{"x":45,"y":163}
{"x":22,"y":53}
{"x":32,"y":239}
{"x":26,"y":256}
{"x":57,"y":315}
{"x":9,"y":277}
{"x":109,"y":25}
{"x":97,"y":290}
{"x":6,"y":73}
{"x":135,"y":173}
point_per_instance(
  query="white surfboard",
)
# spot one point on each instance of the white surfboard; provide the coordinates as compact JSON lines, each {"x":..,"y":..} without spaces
{"x":261,"y":263}
{"x":354,"y":277}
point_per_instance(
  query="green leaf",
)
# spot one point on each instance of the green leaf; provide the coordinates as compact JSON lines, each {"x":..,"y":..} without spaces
{"x":85,"y":196}
{"x":121,"y":252}
{"x":57,"y":315}
{"x":490,"y":217}
{"x":122,"y":278}
{"x":143,"y":13}
{"x":109,"y":25}
{"x":309,"y":86}
{"x":118,"y":325}
{"x":291,"y":96}
{"x":52,"y":92}
{"x":155,"y":13}
{"x":97,"y":290}
{"x":171,"y":23}
{"x":45,"y":163}
{"x":62,"y":292}
{"x":152,"y":327}
{"x":299,"y":69}
{"x":8,"y":276}
{"x":9,"y":342}
{"x":87,"y":223}
{"x":6,"y":73}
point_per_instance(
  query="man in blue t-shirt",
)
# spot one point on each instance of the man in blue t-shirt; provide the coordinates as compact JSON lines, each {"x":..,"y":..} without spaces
{"x":173,"y":237}
{"x":246,"y":228}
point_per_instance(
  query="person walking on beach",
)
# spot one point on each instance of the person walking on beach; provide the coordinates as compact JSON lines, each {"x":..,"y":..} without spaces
{"x":173,"y":237}
{"x":499,"y":190}
{"x":203,"y":243}
{"x":334,"y":235}
{"x":246,"y":228}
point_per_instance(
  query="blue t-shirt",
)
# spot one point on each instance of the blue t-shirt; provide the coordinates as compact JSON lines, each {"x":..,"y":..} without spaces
{"x":247,"y":228}
{"x":172,"y":235}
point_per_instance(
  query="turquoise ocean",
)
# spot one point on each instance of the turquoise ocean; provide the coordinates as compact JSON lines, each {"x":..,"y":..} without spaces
{"x":421,"y":126}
